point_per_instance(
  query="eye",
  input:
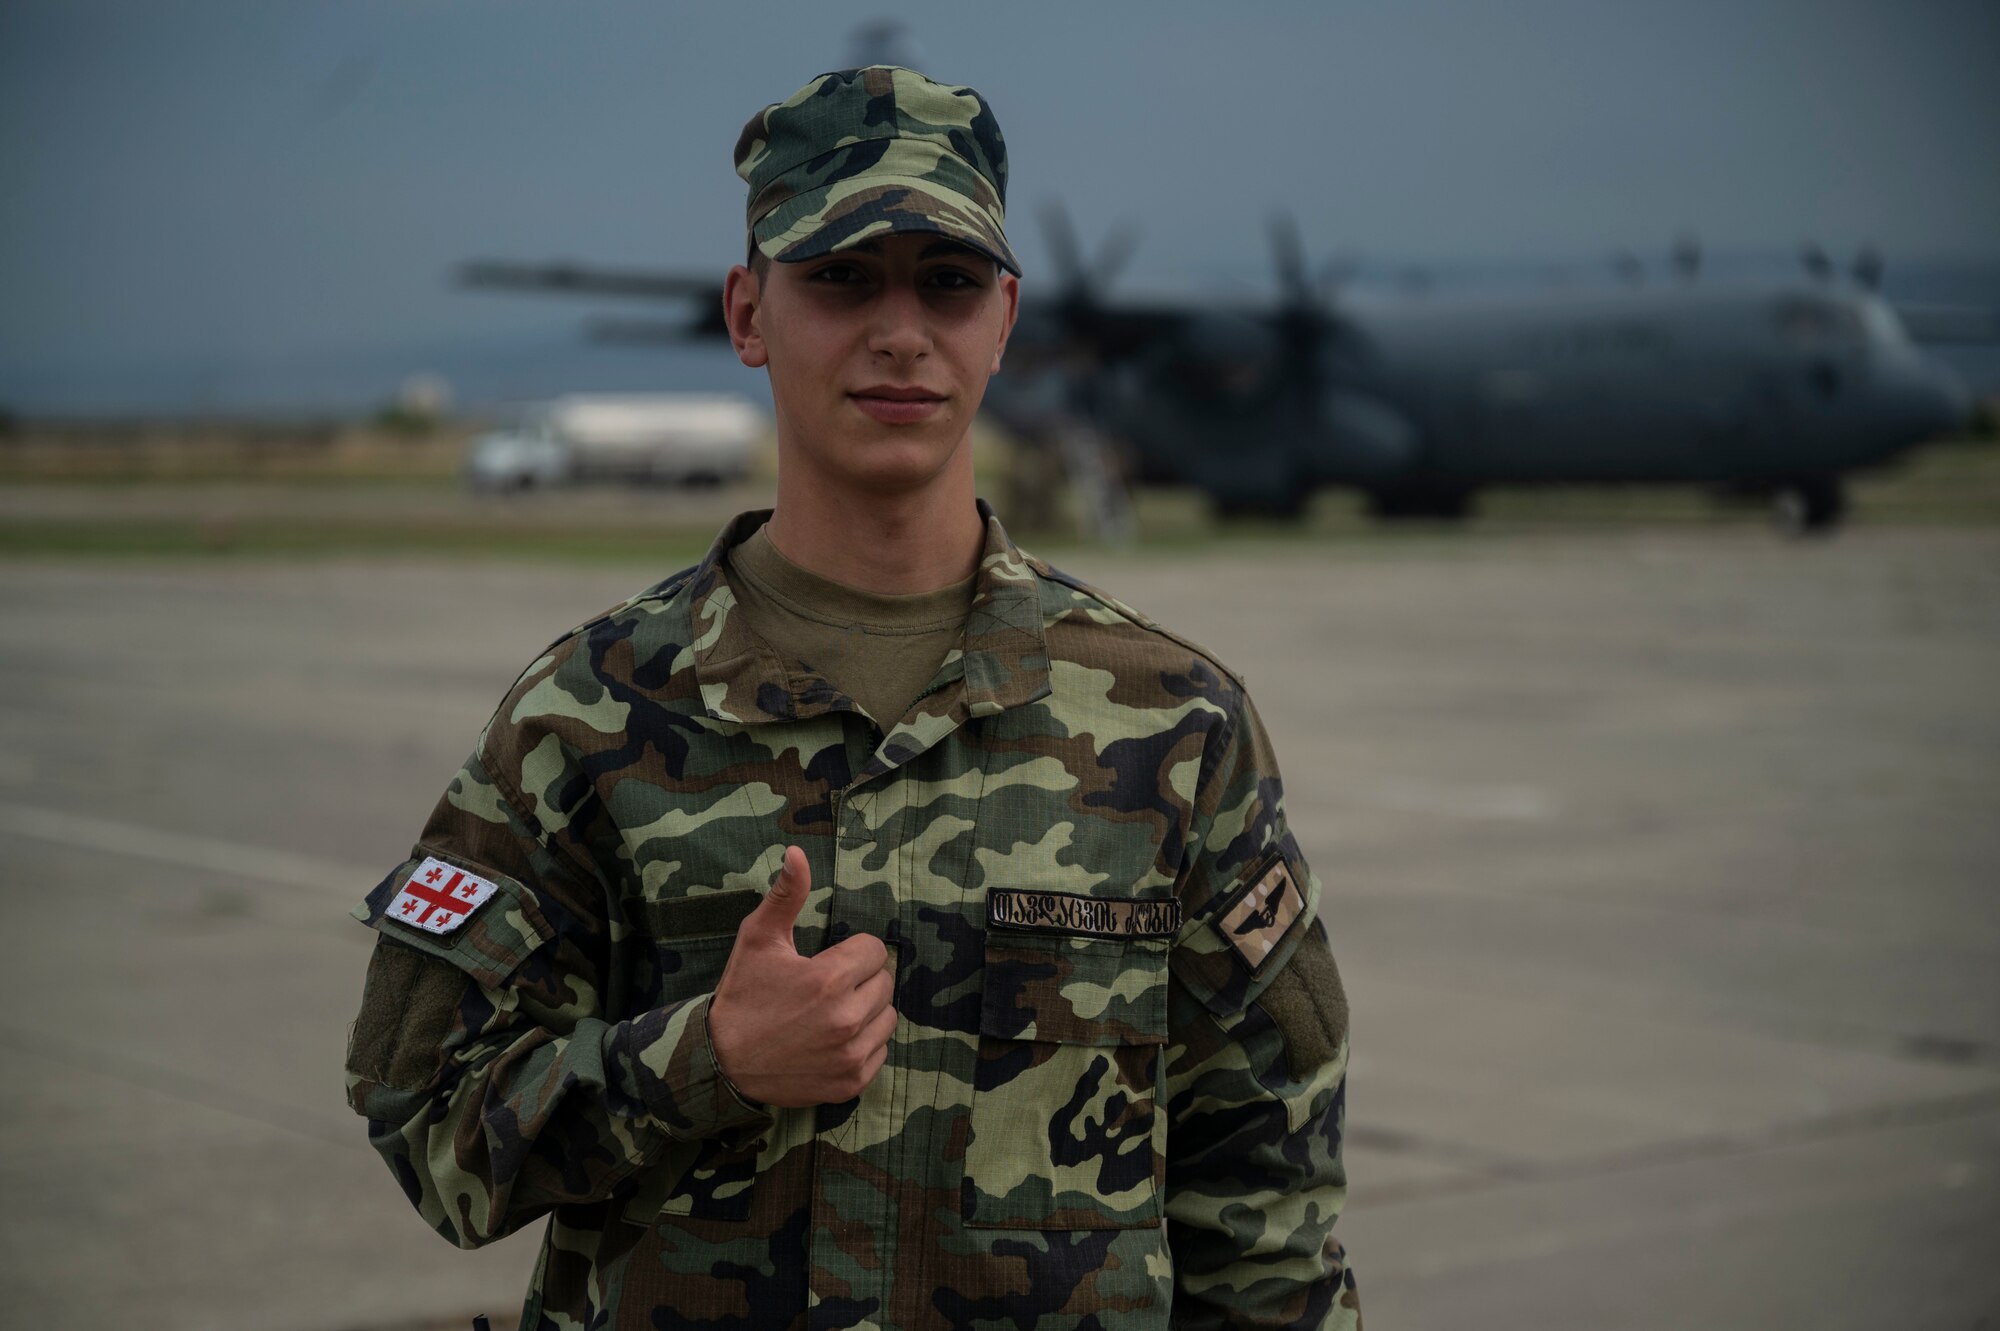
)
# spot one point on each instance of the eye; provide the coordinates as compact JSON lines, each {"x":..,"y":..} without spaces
{"x":954,"y":279}
{"x":838,"y":273}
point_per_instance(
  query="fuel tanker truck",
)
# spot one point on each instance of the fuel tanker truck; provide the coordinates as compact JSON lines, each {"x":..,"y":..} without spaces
{"x":689,"y":439}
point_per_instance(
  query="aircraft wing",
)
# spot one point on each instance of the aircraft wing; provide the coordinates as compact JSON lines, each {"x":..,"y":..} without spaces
{"x":1111,"y":332}
{"x":658,"y":331}
{"x":563,"y":277}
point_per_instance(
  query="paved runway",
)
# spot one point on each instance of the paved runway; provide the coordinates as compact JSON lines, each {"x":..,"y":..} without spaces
{"x":1663,"y":871}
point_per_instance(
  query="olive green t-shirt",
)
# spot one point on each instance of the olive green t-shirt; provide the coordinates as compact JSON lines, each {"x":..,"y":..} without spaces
{"x":879,"y":650}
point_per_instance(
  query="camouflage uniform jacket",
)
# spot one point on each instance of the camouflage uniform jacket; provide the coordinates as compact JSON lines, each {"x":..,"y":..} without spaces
{"x":1115,"y":1090}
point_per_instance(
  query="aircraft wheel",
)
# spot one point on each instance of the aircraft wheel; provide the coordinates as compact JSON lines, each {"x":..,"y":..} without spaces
{"x":1452,"y":505}
{"x":1810,"y":507}
{"x":1397,"y":505}
{"x":1288,"y":507}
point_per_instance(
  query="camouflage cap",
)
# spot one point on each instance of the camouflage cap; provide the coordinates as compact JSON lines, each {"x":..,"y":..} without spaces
{"x":866,"y":152}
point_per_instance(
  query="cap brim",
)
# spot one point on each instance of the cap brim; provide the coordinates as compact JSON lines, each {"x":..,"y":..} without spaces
{"x":840,"y":216}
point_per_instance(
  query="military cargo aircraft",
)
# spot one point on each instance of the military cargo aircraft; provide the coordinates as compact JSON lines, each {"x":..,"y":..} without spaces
{"x":1778,"y":389}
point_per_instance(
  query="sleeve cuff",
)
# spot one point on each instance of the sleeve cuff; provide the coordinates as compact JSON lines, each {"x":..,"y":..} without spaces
{"x":755,"y":1108}
{"x":665,"y":1061}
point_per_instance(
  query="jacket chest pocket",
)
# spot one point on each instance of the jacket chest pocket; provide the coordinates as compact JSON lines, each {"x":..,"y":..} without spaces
{"x":690,"y":938}
{"x":1067,"y":1132}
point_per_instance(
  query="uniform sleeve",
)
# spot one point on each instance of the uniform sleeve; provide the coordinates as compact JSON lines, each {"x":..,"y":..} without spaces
{"x":1256,"y":1064}
{"x":493,"y":1081}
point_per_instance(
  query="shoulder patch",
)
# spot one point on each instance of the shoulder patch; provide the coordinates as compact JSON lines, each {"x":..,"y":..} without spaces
{"x":1079,"y":916}
{"x":1257,"y":919}
{"x":438,"y":897}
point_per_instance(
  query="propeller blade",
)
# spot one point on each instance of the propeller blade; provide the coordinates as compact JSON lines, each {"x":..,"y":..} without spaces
{"x":1867,"y":268}
{"x":1288,"y":252}
{"x":883,"y":42}
{"x":1687,"y":255}
{"x":1113,"y":253}
{"x":1060,"y":233}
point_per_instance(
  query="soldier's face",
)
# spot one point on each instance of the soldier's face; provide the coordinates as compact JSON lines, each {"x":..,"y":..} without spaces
{"x":878,"y":355}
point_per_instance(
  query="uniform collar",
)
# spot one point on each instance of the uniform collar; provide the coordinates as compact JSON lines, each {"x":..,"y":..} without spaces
{"x":1004,"y":658}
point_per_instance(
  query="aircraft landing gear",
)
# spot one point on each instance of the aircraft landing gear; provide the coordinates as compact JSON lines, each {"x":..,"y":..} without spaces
{"x":1811,"y":506}
{"x":1396,"y":505}
{"x":1279,"y":506}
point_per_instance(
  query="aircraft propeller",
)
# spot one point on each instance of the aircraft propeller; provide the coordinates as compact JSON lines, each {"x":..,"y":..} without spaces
{"x":1866,"y":270}
{"x":1301,"y":289}
{"x":1085,"y":283}
{"x":1306,"y":312}
{"x":1090,"y":330}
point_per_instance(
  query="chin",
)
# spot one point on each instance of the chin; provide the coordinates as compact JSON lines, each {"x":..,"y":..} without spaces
{"x":896,"y":476}
{"x":896,"y":462}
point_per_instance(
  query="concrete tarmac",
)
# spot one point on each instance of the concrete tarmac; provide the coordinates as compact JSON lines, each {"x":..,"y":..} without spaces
{"x":1661,"y":868}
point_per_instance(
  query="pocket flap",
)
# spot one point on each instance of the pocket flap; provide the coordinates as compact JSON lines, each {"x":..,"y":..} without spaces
{"x":488,"y":943}
{"x":702,"y":915}
{"x":1093,"y":991}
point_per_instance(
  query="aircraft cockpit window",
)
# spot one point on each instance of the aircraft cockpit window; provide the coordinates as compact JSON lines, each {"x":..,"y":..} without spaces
{"x":1802,"y":319}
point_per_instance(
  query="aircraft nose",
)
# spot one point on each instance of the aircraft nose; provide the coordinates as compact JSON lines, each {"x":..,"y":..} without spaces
{"x":1948,"y":404}
{"x":1920,"y":402}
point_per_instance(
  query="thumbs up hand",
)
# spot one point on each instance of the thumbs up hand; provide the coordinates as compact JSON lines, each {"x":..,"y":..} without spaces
{"x":794,"y":1031}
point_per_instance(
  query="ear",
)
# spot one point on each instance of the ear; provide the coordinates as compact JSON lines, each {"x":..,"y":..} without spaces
{"x":1010,"y":292}
{"x":741,"y":301}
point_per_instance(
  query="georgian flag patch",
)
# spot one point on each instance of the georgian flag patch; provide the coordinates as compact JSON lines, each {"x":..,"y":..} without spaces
{"x":438,"y":898}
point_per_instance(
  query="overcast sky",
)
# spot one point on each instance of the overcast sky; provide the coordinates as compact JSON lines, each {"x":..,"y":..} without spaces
{"x":224,"y":184}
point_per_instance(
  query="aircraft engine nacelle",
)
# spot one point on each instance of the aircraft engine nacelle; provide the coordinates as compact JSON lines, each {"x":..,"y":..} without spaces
{"x":1364,"y":439}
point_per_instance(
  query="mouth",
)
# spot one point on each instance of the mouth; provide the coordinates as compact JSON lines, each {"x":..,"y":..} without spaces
{"x":896,"y":404}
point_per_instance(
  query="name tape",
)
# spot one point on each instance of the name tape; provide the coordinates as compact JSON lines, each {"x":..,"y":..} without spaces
{"x":1089,"y":917}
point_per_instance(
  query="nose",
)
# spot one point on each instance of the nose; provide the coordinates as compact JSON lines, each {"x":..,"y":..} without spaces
{"x":901,"y":329}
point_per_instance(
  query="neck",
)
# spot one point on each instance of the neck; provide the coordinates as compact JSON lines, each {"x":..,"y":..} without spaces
{"x":894,"y":544}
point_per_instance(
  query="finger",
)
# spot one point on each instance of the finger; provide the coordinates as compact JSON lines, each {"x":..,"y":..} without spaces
{"x":778,"y":912}
{"x":875,"y":1035}
{"x":873,"y":994}
{"x":857,"y":957}
{"x":874,"y":1065}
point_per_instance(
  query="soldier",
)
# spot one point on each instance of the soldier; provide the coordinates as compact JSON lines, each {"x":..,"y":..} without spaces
{"x":872,"y":925}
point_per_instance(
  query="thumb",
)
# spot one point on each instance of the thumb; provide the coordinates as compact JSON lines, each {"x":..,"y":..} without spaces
{"x":779,"y":910}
